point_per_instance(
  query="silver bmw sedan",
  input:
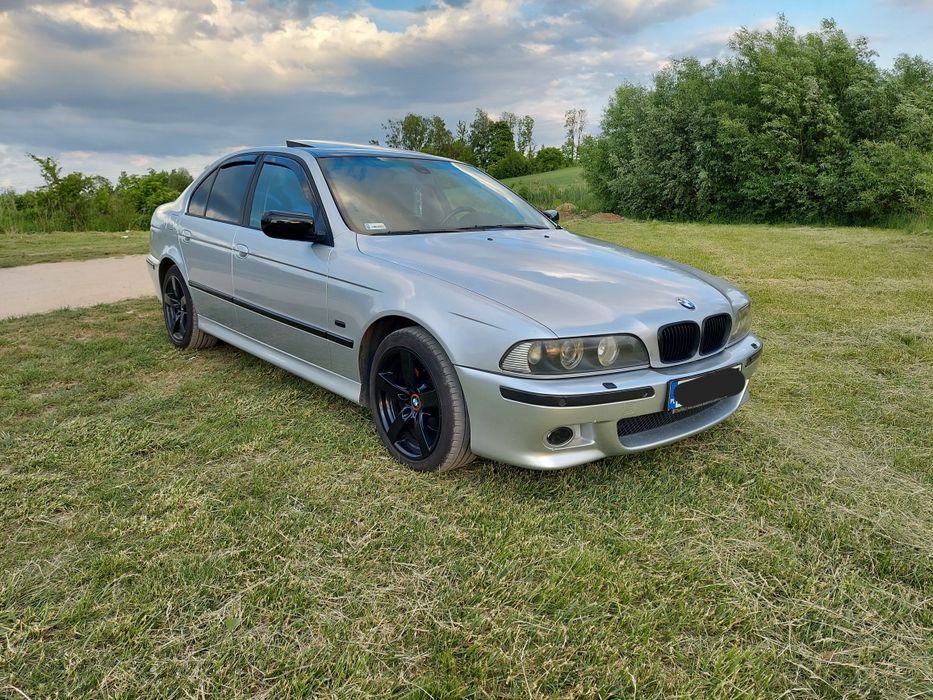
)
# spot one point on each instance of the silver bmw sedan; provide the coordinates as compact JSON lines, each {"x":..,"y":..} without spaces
{"x":466,"y":320}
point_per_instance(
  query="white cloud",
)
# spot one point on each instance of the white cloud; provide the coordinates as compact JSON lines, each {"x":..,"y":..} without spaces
{"x":138,"y":83}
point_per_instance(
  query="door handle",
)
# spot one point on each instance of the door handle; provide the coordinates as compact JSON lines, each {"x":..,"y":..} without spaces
{"x":185,"y":235}
{"x":241,"y":250}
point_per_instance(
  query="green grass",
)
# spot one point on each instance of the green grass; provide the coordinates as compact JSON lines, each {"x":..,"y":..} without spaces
{"x":193,"y":523}
{"x":551,"y":189}
{"x":18,"y":248}
{"x":558,"y":178}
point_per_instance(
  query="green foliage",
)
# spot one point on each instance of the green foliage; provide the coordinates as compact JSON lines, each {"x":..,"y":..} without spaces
{"x":415,"y":132}
{"x":512,"y":164}
{"x":503,"y":147}
{"x":480,"y":139}
{"x":143,"y":193}
{"x":547,"y":159}
{"x":791,"y":128}
{"x":524,"y":139}
{"x":78,"y":202}
{"x":501,"y":142}
{"x":549,"y":190}
{"x":574,"y":123}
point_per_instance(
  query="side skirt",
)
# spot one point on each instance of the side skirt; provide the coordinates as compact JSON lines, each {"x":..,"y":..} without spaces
{"x":340,"y":385}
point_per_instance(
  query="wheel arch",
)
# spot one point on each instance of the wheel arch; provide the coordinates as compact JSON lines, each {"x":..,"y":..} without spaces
{"x":372,"y":336}
{"x":165,"y":265}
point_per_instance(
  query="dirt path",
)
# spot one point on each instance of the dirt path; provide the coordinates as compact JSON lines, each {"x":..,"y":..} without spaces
{"x":34,"y":289}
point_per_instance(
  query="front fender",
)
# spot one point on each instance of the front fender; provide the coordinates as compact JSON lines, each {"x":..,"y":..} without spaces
{"x":473,"y":330}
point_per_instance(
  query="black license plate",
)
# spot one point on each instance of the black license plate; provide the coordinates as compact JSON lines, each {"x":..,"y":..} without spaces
{"x":704,"y":388}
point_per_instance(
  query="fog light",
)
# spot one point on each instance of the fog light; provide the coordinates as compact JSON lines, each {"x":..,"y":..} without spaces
{"x":559,"y":436}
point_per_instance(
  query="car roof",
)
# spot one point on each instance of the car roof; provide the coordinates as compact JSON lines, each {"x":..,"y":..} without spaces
{"x":322,"y":149}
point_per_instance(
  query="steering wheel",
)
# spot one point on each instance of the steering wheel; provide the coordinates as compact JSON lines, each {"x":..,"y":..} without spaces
{"x":456,"y":212}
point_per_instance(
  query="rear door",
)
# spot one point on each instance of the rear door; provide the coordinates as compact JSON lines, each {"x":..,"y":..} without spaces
{"x":281,"y":286}
{"x":208,"y":228}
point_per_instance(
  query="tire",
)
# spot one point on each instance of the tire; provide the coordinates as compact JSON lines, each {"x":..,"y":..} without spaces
{"x":181,"y":318}
{"x":417,"y":403}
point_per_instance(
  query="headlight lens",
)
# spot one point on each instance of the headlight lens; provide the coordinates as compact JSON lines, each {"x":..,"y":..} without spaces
{"x":571,"y":352}
{"x":742,"y":324}
{"x":607,"y":351}
{"x":576,"y":355}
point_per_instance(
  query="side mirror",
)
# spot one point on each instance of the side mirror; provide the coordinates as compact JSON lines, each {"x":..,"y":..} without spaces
{"x":290,"y":226}
{"x":552,"y":214}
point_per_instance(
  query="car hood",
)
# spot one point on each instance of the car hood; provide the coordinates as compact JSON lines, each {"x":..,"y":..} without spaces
{"x":571,"y":284}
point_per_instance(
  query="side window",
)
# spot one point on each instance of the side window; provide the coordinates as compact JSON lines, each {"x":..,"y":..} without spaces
{"x":279,"y":188}
{"x":198,"y":202}
{"x":226,"y":200}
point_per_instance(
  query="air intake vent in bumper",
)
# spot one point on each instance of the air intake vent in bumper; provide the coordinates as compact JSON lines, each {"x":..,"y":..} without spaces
{"x":652,"y":421}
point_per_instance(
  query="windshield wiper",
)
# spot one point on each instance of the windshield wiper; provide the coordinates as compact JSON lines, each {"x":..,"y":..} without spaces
{"x":407,"y":231}
{"x":489,"y":227}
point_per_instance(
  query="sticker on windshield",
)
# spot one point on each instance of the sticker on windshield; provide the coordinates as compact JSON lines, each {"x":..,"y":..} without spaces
{"x":375,"y":227}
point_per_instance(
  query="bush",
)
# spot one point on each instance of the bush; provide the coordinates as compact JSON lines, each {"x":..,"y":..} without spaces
{"x":78,"y":202}
{"x":548,"y":159}
{"x":792,"y":128}
{"x":513,"y":164}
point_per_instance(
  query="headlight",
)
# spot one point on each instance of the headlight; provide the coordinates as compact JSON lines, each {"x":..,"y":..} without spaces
{"x":742,"y":324}
{"x":575,"y":355}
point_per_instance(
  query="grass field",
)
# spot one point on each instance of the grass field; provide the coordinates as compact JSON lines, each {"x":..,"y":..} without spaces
{"x":559,"y":178}
{"x":28,"y":248}
{"x":193,"y":523}
{"x":551,"y":189}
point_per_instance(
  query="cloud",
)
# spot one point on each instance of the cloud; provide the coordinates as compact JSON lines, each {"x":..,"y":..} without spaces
{"x":162,"y":79}
{"x":612,"y":17}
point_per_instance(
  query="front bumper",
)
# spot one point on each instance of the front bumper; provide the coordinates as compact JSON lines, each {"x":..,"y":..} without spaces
{"x":513,"y":429}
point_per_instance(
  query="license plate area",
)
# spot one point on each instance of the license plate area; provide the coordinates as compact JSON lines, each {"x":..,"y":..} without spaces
{"x":689,"y":392}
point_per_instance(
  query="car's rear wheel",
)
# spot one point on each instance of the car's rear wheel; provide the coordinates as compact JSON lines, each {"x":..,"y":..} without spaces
{"x":417,"y":403}
{"x":181,"y":318}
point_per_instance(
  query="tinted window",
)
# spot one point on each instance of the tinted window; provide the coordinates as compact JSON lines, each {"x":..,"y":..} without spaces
{"x":198,"y":202}
{"x":226,"y":200}
{"x":384,"y":194}
{"x":279,"y":188}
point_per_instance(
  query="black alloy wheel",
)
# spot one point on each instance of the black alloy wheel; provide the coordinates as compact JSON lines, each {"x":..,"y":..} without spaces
{"x":181,"y":317}
{"x":176,"y":305}
{"x":417,"y":402}
{"x":407,"y":404}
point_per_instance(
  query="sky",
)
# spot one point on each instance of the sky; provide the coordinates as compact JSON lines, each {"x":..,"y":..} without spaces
{"x":107,"y":86}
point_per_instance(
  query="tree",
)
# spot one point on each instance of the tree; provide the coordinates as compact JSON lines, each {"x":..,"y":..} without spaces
{"x":75,"y":201}
{"x":792,"y":127}
{"x":143,"y":193}
{"x":480,"y":138}
{"x":501,"y":141}
{"x":524,"y":141}
{"x":574,"y":123}
{"x":415,"y":132}
{"x":393,"y":133}
{"x":547,"y":159}
{"x":511,"y":119}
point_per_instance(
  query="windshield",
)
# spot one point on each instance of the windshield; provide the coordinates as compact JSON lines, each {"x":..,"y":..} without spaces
{"x":384,"y":195}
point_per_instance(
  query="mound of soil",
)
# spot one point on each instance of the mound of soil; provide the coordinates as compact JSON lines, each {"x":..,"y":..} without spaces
{"x":607,"y":217}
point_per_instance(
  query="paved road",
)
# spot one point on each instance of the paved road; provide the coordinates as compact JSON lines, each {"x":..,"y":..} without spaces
{"x":32,"y":289}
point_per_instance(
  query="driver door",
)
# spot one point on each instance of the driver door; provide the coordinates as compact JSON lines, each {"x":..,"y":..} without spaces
{"x":280,"y":285}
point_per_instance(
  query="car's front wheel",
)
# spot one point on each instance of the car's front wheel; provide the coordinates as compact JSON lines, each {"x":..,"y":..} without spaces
{"x":417,"y":403}
{"x":181,"y":318}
